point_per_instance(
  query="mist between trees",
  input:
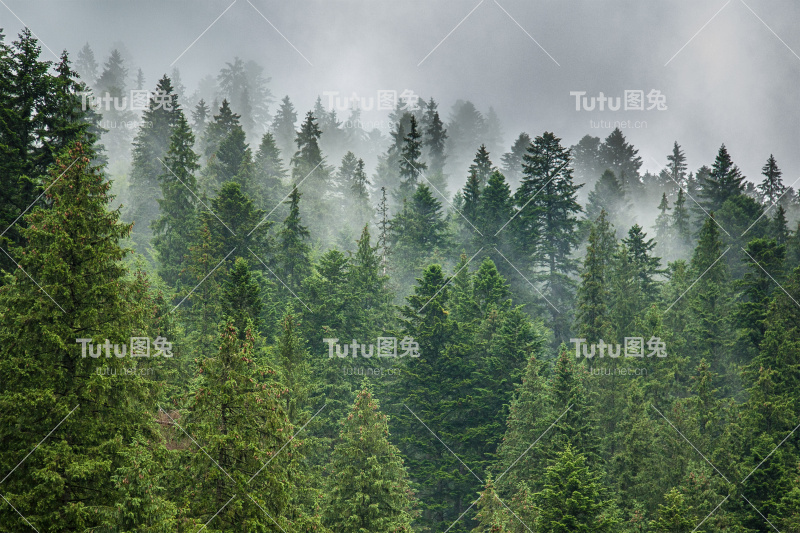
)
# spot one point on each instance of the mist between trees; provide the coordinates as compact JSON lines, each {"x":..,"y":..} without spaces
{"x":245,"y":231}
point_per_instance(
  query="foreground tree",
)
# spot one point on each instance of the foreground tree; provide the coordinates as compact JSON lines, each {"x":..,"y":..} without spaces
{"x":368,"y":484}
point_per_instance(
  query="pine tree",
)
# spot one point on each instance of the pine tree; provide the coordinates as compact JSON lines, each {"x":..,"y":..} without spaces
{"x":681,"y":220}
{"x":82,"y":291}
{"x":645,"y":264}
{"x":293,"y":252}
{"x":147,"y":165}
{"x":545,"y":229}
{"x":200,"y":115}
{"x":592,"y":321}
{"x":771,"y":187}
{"x":236,"y":412}
{"x":283,"y":128}
{"x":223,"y":124}
{"x":492,"y":515}
{"x":709,"y":330}
{"x":723,"y":182}
{"x":86,"y":65}
{"x":309,"y":169}
{"x":368,"y":485}
{"x":675,"y":515}
{"x":676,"y":167}
{"x":662,"y":227}
{"x":481,"y":166}
{"x":608,"y":196}
{"x":617,"y":155}
{"x":410,"y":163}
{"x":435,"y":138}
{"x":270,"y":174}
{"x":174,"y":229}
{"x":512,"y":161}
{"x":573,"y":499}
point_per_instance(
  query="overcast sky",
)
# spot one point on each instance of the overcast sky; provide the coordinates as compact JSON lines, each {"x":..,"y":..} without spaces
{"x":725,"y":75}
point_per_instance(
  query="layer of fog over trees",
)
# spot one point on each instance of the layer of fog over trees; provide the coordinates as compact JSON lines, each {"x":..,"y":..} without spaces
{"x":271,"y":237}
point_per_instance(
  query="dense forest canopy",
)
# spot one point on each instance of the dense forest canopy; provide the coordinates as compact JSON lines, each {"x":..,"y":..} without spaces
{"x":221,"y":312}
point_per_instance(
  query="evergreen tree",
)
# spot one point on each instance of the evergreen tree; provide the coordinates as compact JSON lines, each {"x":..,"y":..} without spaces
{"x":283,"y":128}
{"x":86,"y":65}
{"x":681,"y":225}
{"x":622,"y":159}
{"x":435,"y":139}
{"x":200,"y":115}
{"x":642,"y":260}
{"x":608,"y":196}
{"x":593,"y":297}
{"x":174,"y":229}
{"x":723,"y":181}
{"x":492,"y":516}
{"x":293,"y":252}
{"x":222,"y":126}
{"x":368,"y":485}
{"x":546,"y":225}
{"x":676,"y":167}
{"x":573,"y":498}
{"x":270,"y":173}
{"x":771,"y":187}
{"x":675,"y":515}
{"x":512,"y":161}
{"x":82,"y":291}
{"x":481,"y":166}
{"x":410,"y":163}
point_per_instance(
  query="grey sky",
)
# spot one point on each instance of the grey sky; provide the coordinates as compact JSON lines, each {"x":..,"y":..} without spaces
{"x":734,"y":82}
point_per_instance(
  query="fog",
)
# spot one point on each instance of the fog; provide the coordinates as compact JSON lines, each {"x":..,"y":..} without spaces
{"x":722,"y":70}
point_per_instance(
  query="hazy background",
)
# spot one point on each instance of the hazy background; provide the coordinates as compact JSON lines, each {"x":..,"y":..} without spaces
{"x":735,"y":82}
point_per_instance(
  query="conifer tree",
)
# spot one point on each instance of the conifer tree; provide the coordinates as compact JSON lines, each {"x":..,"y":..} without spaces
{"x":368,"y":485}
{"x":545,"y":229}
{"x":435,"y":138}
{"x":82,"y":291}
{"x":593,"y":296}
{"x":174,"y":229}
{"x":681,"y":224}
{"x":86,"y":65}
{"x":676,"y":166}
{"x":481,"y":166}
{"x":608,"y":196}
{"x":283,"y":128}
{"x":492,"y":515}
{"x":270,"y":173}
{"x":222,"y":125}
{"x":293,"y":252}
{"x":643,"y":261}
{"x":771,"y":187}
{"x":723,"y":182}
{"x":573,"y":499}
{"x":619,"y":156}
{"x":410,"y":163}
{"x":512,"y":160}
{"x":675,"y":515}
